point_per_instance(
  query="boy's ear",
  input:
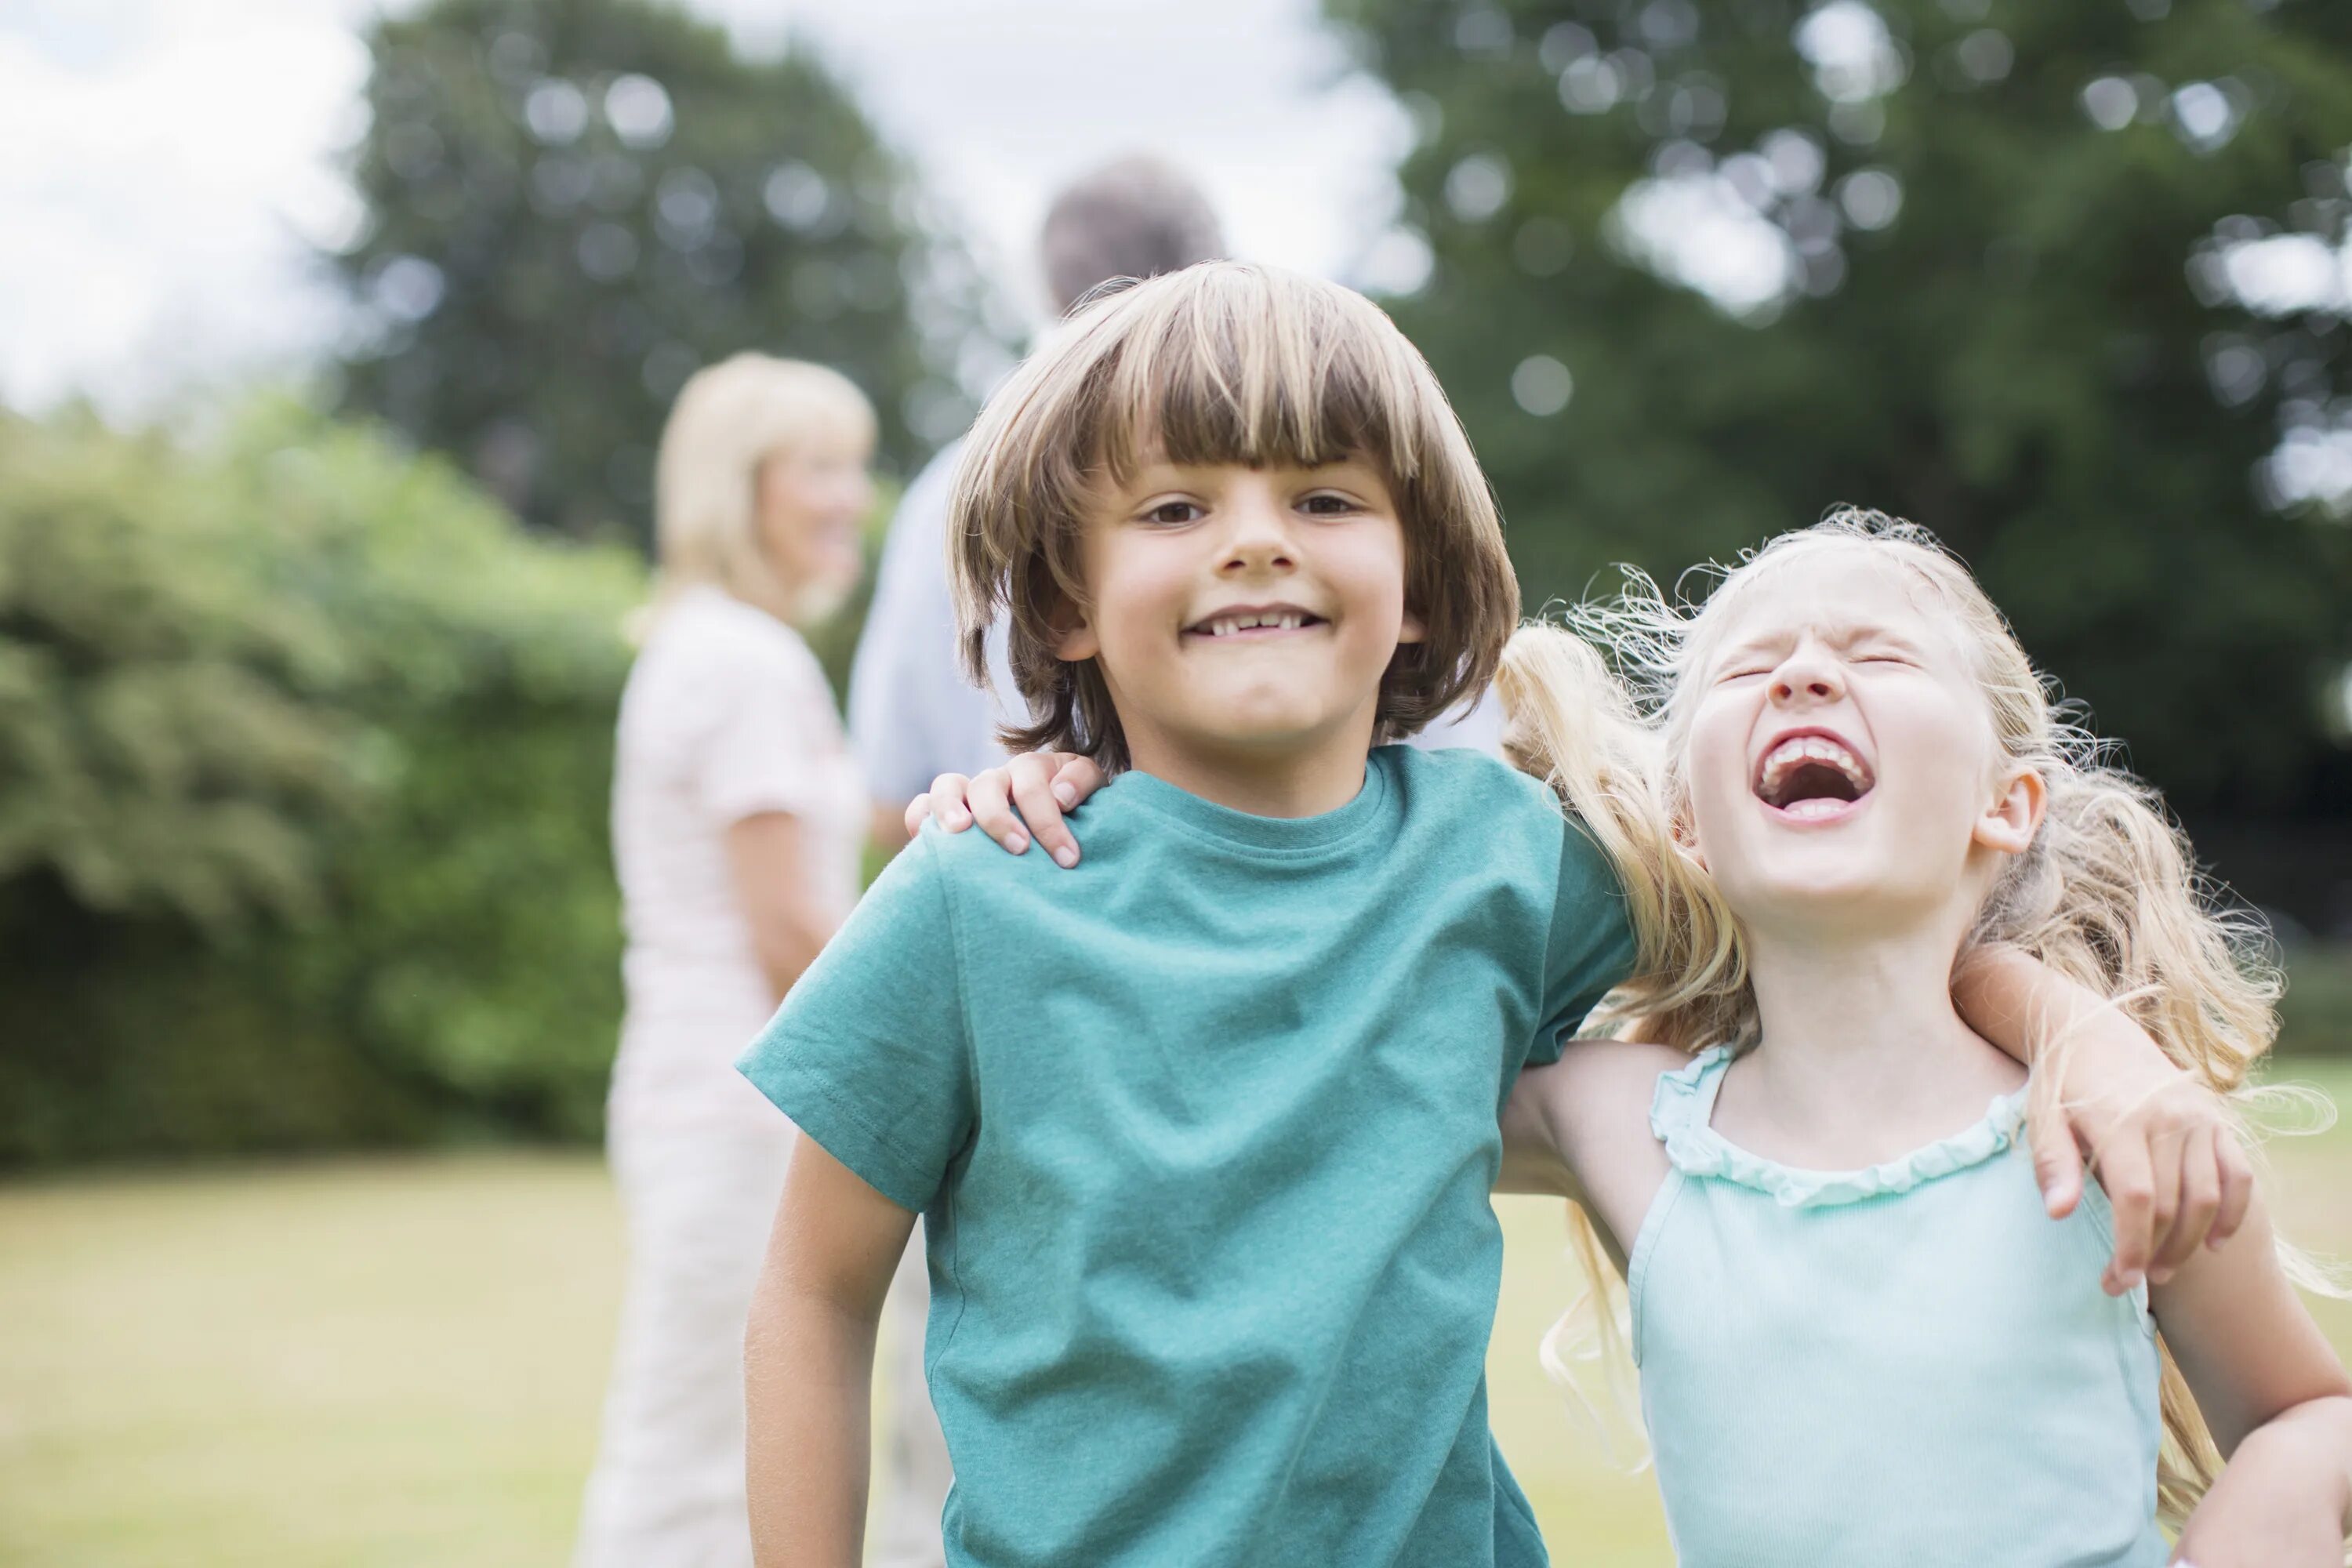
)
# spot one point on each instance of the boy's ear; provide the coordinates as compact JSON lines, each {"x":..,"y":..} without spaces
{"x":2008,"y":823}
{"x":1075,"y":638}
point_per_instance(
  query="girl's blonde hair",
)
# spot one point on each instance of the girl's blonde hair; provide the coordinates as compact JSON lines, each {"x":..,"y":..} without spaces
{"x":2109,"y":894}
{"x":1224,"y":362}
{"x":731,"y":418}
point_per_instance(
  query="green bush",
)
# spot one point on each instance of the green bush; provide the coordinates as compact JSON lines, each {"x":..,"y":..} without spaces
{"x":2316,"y":1015}
{"x":304,"y":757}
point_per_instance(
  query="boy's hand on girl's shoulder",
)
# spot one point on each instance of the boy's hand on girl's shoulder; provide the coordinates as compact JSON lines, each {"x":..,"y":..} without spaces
{"x":2170,"y":1160}
{"x":1023,"y":799}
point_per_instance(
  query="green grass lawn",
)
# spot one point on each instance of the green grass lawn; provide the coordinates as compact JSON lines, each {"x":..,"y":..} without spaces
{"x":398,"y":1362}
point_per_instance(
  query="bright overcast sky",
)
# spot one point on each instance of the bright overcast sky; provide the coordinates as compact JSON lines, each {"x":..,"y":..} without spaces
{"x":166,"y":158}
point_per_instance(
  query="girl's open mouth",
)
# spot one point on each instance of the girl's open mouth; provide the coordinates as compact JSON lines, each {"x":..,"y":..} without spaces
{"x":1812,"y":778}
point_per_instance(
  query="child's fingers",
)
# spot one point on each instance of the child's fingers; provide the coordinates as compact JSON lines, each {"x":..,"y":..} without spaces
{"x":2130,"y":1183}
{"x":2057,"y":1157}
{"x":990,"y":799}
{"x":2200,"y":1200}
{"x":944,"y":802}
{"x":1076,"y":778}
{"x":2164,"y":1159}
{"x":2235,"y":1171}
{"x":1033,"y":792}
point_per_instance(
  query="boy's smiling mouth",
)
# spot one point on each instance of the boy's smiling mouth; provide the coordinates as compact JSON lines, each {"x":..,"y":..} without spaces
{"x":1254,"y":622}
{"x":1812,"y":775}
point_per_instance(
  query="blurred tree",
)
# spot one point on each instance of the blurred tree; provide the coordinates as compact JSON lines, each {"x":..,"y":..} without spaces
{"x":574,"y":204}
{"x":304,"y":757}
{"x":2053,"y":279}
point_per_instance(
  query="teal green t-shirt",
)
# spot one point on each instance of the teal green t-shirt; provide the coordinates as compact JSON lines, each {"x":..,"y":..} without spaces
{"x":1203,"y":1133}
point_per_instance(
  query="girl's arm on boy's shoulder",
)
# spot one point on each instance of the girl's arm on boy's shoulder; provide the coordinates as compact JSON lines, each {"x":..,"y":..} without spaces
{"x":1580,"y":1129}
{"x":2276,"y":1400}
{"x":1012,"y":803}
{"x":2171,"y":1163}
{"x":808,"y":1362}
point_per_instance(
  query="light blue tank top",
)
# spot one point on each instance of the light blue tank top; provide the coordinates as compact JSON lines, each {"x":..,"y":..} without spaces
{"x":1911,"y":1364}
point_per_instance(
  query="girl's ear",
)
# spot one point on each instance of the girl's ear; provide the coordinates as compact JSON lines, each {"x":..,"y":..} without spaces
{"x":1414,"y":629}
{"x":2008,"y":824}
{"x":1685,"y":841}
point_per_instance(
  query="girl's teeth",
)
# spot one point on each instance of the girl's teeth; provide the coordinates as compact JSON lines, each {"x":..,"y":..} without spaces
{"x":1791,"y":754}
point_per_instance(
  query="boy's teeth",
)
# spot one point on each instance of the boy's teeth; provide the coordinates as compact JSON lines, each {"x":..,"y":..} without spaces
{"x":1226,"y":625}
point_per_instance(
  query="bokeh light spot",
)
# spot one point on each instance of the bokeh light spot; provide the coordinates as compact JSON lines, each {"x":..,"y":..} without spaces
{"x":1590,"y":85}
{"x":1870,"y":198}
{"x":637,"y":108}
{"x":1542,"y":386}
{"x":797,"y":196}
{"x":556,"y":112}
{"x":1477,"y":186}
{"x":2111,"y":102}
{"x":408,"y":288}
{"x":2204,"y":116}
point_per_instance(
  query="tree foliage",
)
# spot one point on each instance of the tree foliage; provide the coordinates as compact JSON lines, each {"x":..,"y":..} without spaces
{"x":574,"y":204}
{"x":304,"y":756}
{"x":1702,"y":270}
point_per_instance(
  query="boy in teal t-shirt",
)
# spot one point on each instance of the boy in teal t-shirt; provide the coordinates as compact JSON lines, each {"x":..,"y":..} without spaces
{"x":1203,"y":1130}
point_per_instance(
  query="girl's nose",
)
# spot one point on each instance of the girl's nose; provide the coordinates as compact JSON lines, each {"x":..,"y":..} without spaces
{"x":1806,"y":675}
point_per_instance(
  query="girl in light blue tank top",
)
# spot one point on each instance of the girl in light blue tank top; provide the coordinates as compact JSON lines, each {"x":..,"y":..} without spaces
{"x":1863,"y":1341}
{"x":1787,"y":1322}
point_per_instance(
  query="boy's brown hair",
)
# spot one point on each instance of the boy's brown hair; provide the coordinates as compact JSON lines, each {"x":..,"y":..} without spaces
{"x":1222,"y":363}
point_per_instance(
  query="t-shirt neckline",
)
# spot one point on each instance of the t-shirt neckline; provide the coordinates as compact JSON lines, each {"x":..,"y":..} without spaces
{"x":1262,"y":835}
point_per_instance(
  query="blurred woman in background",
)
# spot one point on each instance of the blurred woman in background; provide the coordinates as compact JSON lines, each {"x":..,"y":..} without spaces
{"x":739,"y":817}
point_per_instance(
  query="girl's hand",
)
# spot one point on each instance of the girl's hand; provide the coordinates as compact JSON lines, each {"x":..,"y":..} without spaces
{"x":1041,"y":784}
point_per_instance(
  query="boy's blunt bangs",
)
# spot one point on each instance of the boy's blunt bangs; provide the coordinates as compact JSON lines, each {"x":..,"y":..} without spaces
{"x":1222,"y":363}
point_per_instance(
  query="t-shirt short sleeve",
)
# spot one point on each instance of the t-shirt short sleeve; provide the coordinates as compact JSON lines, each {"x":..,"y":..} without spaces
{"x":761,"y":754}
{"x":1591,"y":947}
{"x":868,"y":1055}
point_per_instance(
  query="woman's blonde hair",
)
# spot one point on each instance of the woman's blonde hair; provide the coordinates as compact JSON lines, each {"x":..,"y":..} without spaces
{"x":1221,"y":363}
{"x":729,"y":418}
{"x":2109,"y":894}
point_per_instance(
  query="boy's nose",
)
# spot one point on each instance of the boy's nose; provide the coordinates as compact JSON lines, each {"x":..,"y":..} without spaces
{"x":1257,"y":542}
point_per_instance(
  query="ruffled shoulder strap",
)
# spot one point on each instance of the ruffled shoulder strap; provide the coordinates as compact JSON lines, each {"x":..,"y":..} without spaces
{"x":1685,"y":1098}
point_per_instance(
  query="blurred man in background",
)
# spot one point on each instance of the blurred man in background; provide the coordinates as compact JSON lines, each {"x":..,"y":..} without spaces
{"x":912,"y":714}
